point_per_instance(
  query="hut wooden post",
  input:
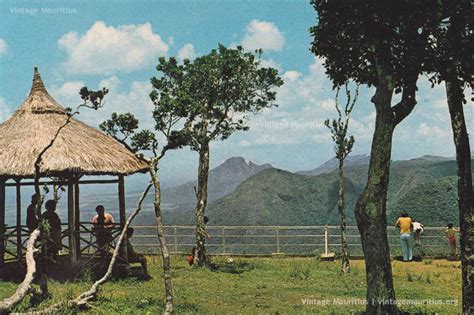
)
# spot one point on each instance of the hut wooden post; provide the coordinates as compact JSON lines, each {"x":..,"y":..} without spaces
{"x":2,"y":226}
{"x":70,"y":221}
{"x":76,"y":220}
{"x":18,"y":219}
{"x":123,"y":215}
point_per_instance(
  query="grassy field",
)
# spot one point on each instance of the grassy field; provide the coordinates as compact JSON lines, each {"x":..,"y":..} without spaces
{"x":268,"y":286}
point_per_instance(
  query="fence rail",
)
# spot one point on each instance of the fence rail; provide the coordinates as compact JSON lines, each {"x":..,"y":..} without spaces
{"x":267,"y":240}
{"x":253,"y":240}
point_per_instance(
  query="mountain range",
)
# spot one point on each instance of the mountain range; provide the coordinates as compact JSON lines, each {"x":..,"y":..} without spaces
{"x":222,"y":180}
{"x":424,"y":187}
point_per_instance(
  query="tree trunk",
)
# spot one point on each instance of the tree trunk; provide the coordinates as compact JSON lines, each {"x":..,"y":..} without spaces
{"x":370,"y":210}
{"x":345,"y":268}
{"x":465,"y":194}
{"x":161,"y":237}
{"x":200,"y":257}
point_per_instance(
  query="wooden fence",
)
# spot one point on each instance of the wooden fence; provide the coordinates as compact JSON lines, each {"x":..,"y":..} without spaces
{"x":268,"y":240}
{"x":246,"y":240}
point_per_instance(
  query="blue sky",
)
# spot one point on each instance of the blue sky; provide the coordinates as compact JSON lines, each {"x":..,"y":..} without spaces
{"x":117,"y":43}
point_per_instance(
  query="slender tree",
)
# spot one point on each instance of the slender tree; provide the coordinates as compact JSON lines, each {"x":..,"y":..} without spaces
{"x":123,"y":127}
{"x":342,"y":148}
{"x":380,"y":44}
{"x":451,"y":61}
{"x":218,"y":91}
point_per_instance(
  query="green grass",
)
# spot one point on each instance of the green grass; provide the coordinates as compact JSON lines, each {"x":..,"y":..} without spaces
{"x":265,"y":286}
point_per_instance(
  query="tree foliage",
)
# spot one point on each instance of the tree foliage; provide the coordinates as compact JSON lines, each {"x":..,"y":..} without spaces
{"x":214,"y":92}
{"x":450,"y":43}
{"x":358,"y":38}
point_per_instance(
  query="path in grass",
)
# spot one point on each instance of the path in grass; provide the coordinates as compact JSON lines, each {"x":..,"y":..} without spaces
{"x":270,"y":286}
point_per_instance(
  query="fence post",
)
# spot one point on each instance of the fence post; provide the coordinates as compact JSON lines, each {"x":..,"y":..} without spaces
{"x":223,"y":239}
{"x":278,"y":239}
{"x":175,"y":239}
{"x":326,"y":239}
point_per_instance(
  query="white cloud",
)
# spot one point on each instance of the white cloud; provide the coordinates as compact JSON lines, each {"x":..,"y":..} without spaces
{"x":435,"y":132}
{"x":328,"y":105}
{"x":186,"y":52}
{"x":305,"y":102}
{"x":291,"y":75}
{"x":270,"y":63}
{"x":3,"y":47}
{"x":264,"y":35}
{"x":4,"y":110}
{"x":68,"y":94}
{"x":107,"y":49}
{"x":109,"y":83}
{"x":136,"y":101}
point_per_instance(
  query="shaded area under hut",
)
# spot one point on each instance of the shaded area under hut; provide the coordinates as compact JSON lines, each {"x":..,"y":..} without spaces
{"x":79,"y":151}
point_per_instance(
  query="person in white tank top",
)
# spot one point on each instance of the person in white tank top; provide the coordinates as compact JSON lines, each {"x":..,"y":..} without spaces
{"x":417,"y":230}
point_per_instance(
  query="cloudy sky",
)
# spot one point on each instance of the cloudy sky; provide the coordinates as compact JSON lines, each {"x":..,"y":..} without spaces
{"x":96,"y":43}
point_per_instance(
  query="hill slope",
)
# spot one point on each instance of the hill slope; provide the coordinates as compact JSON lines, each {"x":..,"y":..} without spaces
{"x":424,"y":188}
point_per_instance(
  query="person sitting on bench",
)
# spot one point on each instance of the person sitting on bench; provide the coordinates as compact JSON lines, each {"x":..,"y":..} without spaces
{"x":133,"y":256}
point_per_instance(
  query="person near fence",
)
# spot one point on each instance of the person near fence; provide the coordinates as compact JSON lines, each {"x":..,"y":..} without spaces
{"x":133,"y":256}
{"x":404,"y":223}
{"x":451,"y":233}
{"x":53,"y":243}
{"x":417,"y":231}
{"x":102,"y":225}
{"x":31,"y":218}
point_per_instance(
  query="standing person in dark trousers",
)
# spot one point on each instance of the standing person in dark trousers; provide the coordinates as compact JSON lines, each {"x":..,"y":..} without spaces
{"x":53,"y":244}
{"x":31,"y":218}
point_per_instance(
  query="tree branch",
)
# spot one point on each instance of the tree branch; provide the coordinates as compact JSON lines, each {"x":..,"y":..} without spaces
{"x":25,"y":287}
{"x":407,"y":103}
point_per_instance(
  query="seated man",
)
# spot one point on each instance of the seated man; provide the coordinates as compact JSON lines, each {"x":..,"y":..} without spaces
{"x":102,"y":224}
{"x":133,"y":256}
{"x":54,"y":244}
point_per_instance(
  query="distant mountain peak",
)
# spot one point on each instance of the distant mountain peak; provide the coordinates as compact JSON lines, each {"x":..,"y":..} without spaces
{"x":234,"y":161}
{"x":331,"y":165}
{"x":223,"y":179}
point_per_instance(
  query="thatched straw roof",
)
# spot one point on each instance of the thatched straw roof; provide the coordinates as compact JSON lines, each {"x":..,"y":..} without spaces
{"x":79,"y":148}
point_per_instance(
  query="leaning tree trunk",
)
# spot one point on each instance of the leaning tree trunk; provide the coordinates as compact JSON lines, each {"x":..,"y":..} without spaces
{"x":345,"y":268}
{"x":370,"y":211}
{"x":161,"y":237}
{"x":465,"y":194}
{"x":200,"y":257}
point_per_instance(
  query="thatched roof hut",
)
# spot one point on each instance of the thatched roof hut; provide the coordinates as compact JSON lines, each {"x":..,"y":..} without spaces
{"x":79,"y":149}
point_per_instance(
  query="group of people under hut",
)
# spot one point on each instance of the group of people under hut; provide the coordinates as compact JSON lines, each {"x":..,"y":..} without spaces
{"x":407,"y":224}
{"x":102,"y":226}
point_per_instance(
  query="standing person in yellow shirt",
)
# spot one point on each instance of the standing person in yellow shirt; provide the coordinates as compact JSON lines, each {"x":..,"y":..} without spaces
{"x":404,"y":223}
